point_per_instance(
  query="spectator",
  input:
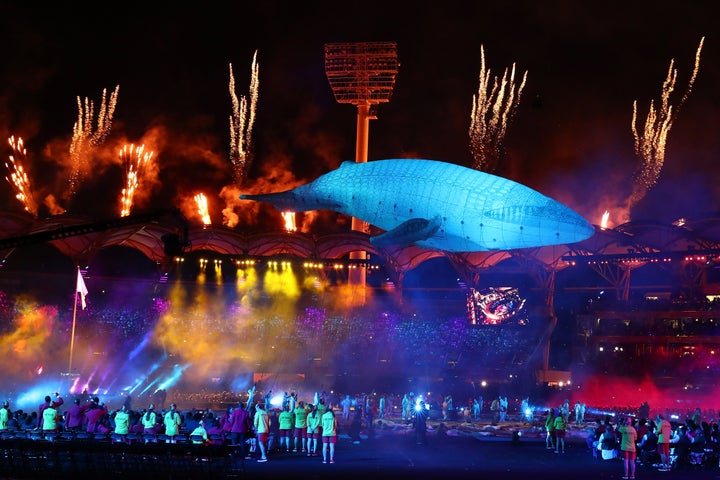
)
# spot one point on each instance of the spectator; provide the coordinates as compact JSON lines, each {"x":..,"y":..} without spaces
{"x":48,"y":403}
{"x":50,"y":418}
{"x":560,"y":428}
{"x":240,"y":427}
{"x":355,"y":428}
{"x":329,"y":435}
{"x":150,"y":421}
{"x":199,"y":435}
{"x":300,"y":427}
{"x":261,"y":423}
{"x":549,"y":430}
{"x":172,"y":422}
{"x":5,"y":415}
{"x":75,"y":416}
{"x":627,"y":447}
{"x":285,"y":421}
{"x":94,"y":415}
{"x":314,"y":431}
{"x":122,"y":421}
{"x":664,"y":432}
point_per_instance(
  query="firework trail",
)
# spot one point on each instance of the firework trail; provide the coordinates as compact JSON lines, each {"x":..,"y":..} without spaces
{"x":202,"y":206}
{"x":651,"y":141}
{"x":83,"y":135}
{"x":241,"y":123}
{"x":493,"y":108}
{"x":18,"y":177}
{"x":135,"y":161}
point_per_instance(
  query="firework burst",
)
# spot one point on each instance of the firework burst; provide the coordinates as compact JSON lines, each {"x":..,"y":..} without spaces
{"x":493,"y":108}
{"x":135,"y":161}
{"x":241,"y":123}
{"x":651,"y":141}
{"x":18,"y":177}
{"x":84,"y":138}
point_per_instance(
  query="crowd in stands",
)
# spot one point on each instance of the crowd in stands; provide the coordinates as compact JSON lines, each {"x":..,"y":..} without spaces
{"x":391,"y":338}
{"x":657,"y":327}
{"x":677,"y":303}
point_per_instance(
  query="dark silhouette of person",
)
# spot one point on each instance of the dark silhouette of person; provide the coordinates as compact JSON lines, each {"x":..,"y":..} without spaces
{"x":355,"y":427}
{"x":160,"y":397}
{"x":420,"y":421}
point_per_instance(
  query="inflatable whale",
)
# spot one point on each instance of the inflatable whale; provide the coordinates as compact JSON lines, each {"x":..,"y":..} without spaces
{"x":437,"y":205}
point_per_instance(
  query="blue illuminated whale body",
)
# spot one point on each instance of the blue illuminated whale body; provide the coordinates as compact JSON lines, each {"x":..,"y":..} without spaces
{"x":437,"y":205}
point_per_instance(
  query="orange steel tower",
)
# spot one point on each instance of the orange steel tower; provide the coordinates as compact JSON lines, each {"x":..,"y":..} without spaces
{"x":362,"y":74}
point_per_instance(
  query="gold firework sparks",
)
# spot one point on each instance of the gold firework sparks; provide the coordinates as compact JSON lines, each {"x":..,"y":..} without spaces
{"x":650,"y":143}
{"x":18,"y":177}
{"x":135,"y":161}
{"x":493,"y":108}
{"x":202,"y":206}
{"x":83,"y":135}
{"x":241,"y":123}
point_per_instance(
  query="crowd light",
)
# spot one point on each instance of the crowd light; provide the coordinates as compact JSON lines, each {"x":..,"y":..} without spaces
{"x":345,"y":264}
{"x":633,"y":257}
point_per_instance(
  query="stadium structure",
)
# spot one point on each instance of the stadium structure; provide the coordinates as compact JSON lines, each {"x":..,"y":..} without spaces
{"x":636,"y":292}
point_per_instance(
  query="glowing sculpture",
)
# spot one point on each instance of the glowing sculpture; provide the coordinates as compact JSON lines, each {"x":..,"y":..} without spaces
{"x":437,"y":205}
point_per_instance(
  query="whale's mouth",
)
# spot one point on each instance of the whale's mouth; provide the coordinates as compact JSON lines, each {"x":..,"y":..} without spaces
{"x":283,"y":201}
{"x":294,"y":201}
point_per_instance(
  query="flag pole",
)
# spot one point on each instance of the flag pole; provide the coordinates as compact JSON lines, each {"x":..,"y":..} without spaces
{"x":72,"y":334}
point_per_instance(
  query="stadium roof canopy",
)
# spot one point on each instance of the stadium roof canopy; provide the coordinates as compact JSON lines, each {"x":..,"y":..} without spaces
{"x":80,"y":238}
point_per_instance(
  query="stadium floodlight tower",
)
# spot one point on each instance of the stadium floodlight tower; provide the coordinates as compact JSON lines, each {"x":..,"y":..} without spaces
{"x":361,"y":74}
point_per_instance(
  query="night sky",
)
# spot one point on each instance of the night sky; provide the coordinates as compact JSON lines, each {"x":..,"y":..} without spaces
{"x":570,"y":137}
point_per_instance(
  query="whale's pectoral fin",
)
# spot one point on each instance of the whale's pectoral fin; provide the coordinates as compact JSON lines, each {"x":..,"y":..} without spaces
{"x":408,"y":232}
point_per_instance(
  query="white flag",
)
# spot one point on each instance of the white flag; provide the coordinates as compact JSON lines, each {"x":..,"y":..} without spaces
{"x":81,"y":289}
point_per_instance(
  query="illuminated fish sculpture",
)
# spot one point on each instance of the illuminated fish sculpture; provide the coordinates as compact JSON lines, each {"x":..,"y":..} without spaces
{"x":437,"y":205}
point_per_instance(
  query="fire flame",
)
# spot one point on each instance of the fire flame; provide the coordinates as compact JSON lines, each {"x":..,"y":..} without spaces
{"x":604,"y":221}
{"x":289,"y":218}
{"x":202,"y":204}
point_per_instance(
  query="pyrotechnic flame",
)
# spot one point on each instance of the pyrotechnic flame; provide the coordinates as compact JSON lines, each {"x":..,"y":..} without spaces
{"x":650,"y":143}
{"x":605,"y":218}
{"x":135,"y":161}
{"x":289,"y":218}
{"x":493,"y":108}
{"x":241,"y":123}
{"x":18,"y":177}
{"x":83,"y":136}
{"x":202,"y":206}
